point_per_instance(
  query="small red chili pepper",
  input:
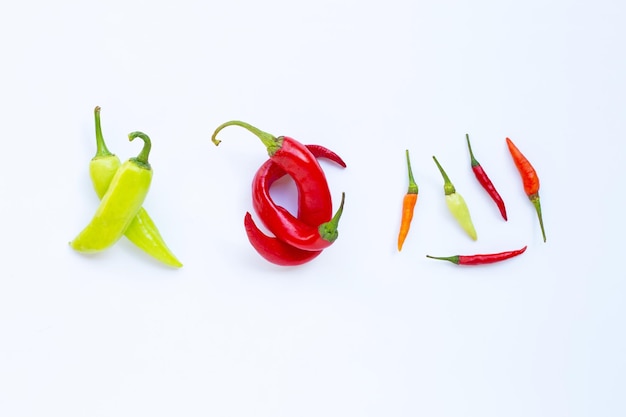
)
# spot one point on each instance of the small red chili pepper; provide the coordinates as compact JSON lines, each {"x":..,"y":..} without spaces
{"x":480,"y":259}
{"x":408,"y":205}
{"x":484,"y":180}
{"x":298,"y":162}
{"x":529,"y":178}
{"x":271,"y":248}
{"x":321,"y":152}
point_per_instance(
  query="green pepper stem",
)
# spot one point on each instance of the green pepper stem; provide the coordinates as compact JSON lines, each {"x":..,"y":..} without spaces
{"x":328,"y":231}
{"x":453,"y":259}
{"x":448,"y":187}
{"x":413,"y":189}
{"x":142,"y":158}
{"x":271,"y":142}
{"x":535,"y":200}
{"x":469,"y":146}
{"x":101,"y":147}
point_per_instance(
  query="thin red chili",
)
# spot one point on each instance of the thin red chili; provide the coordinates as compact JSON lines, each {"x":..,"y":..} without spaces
{"x":484,"y":180}
{"x":480,"y":259}
{"x":271,"y":248}
{"x":298,"y":162}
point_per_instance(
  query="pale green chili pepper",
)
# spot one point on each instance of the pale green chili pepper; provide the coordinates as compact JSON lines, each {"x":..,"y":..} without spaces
{"x":142,"y":231}
{"x":120,"y":203}
{"x":456,"y":204}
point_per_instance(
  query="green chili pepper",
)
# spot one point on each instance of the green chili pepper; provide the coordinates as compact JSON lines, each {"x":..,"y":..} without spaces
{"x":142,"y":231}
{"x":120,"y":203}
{"x":456,"y":204}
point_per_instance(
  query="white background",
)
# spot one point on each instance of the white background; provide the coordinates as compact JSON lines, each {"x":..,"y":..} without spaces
{"x":362,"y":330}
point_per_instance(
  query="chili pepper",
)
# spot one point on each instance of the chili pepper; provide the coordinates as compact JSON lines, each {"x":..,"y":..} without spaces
{"x":142,"y":231}
{"x":120,"y":203}
{"x":408,"y":205}
{"x":456,"y":204}
{"x":322,"y":152}
{"x":304,"y":232}
{"x":271,"y":248}
{"x":274,"y":250}
{"x":529,"y":178}
{"x":297,"y":161}
{"x":480,"y":259}
{"x":484,"y":180}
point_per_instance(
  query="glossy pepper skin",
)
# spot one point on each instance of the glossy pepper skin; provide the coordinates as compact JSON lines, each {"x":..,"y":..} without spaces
{"x":485,"y":181}
{"x":120,"y":203}
{"x":271,"y":248}
{"x":480,"y":259}
{"x":142,"y":231}
{"x":408,"y":205}
{"x":305,"y":233}
{"x":298,"y":162}
{"x":456,"y":204}
{"x":529,"y":179}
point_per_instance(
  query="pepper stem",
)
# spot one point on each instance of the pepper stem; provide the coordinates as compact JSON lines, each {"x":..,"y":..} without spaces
{"x":453,"y":259}
{"x":101,"y":147}
{"x":448,"y":187}
{"x":142,"y":158}
{"x":474,"y":162}
{"x":535,"y":200}
{"x":412,"y":184}
{"x":328,"y":231}
{"x":271,"y":142}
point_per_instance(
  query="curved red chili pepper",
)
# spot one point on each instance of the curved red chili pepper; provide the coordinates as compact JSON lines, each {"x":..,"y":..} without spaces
{"x":480,"y":259}
{"x":297,"y":161}
{"x":271,"y":248}
{"x":305,"y":232}
{"x":274,"y":250}
{"x":484,"y":180}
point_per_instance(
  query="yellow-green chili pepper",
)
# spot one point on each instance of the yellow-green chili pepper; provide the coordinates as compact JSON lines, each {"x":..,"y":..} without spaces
{"x":142,"y":231}
{"x":456,"y":204}
{"x":120,"y":203}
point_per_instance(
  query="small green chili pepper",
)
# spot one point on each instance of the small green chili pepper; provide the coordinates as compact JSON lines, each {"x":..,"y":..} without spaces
{"x":142,"y":231}
{"x":456,"y":204}
{"x":120,"y":203}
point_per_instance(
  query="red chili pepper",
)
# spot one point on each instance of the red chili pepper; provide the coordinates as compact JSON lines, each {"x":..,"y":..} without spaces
{"x":529,"y":178}
{"x":480,"y":259}
{"x":322,"y":152}
{"x":298,"y":162}
{"x":271,"y":248}
{"x":274,"y":250}
{"x":484,"y":180}
{"x":304,"y":232}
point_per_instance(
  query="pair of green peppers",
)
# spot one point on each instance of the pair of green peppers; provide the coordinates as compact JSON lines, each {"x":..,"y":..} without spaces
{"x":122,"y":189}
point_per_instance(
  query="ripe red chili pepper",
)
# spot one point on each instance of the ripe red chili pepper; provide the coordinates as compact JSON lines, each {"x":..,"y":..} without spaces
{"x":305,"y":233}
{"x":271,"y":248}
{"x":484,"y":180}
{"x":529,"y":178}
{"x":298,"y":162}
{"x":274,"y":250}
{"x":480,"y":259}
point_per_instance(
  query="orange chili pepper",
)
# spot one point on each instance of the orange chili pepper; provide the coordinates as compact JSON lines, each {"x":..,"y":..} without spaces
{"x":529,"y":178}
{"x":408,"y":205}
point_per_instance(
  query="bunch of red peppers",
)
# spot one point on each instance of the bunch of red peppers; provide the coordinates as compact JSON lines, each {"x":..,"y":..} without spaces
{"x":297,"y":239}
